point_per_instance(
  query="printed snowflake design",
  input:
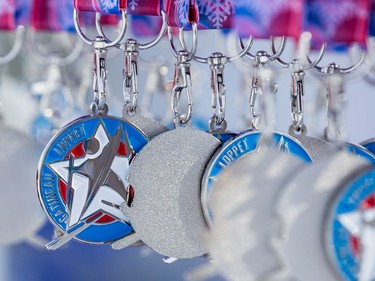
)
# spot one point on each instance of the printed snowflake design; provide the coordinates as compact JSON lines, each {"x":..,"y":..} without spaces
{"x":6,"y":7}
{"x":268,"y":10}
{"x":182,"y":10}
{"x":217,"y":11}
{"x":107,"y":5}
{"x":132,"y":4}
{"x":324,"y":11}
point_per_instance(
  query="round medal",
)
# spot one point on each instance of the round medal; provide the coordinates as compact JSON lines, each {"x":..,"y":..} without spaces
{"x":360,"y":151}
{"x":309,"y":212}
{"x":351,"y":228}
{"x":82,"y":178}
{"x":244,"y":144}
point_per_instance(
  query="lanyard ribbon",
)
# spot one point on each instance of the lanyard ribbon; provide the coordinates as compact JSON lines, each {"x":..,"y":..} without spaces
{"x":52,"y":15}
{"x":338,"y":21}
{"x":7,"y":14}
{"x":264,"y":19}
{"x":142,"y":24}
{"x":105,"y":7}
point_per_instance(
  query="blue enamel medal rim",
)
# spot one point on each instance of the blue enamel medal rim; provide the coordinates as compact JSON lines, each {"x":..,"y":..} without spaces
{"x":340,"y":205}
{"x":362,"y":150}
{"x":75,"y":123}
{"x":220,"y":152}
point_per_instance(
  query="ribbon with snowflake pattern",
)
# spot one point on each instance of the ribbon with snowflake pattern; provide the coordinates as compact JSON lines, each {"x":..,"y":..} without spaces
{"x":105,"y":7}
{"x":264,"y":19}
{"x":181,"y":13}
{"x":215,"y":14}
{"x":209,"y":14}
{"x":7,"y":15}
{"x":338,"y":21}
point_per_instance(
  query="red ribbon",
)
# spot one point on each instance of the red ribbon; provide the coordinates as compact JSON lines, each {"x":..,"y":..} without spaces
{"x":264,"y":19}
{"x":181,"y":13}
{"x":7,"y":15}
{"x":105,"y":7}
{"x":144,"y":7}
{"x":338,"y":21}
{"x":52,"y":15}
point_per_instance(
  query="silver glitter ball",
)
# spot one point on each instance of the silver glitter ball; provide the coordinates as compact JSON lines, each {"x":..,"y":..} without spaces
{"x":20,"y":211}
{"x":166,"y":176}
{"x":243,"y":218}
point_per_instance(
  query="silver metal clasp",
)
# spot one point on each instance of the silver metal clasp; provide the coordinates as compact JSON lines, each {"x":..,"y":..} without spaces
{"x":296,"y":98}
{"x":181,"y":82}
{"x":130,"y":72}
{"x":99,"y":105}
{"x":336,"y":102}
{"x":216,"y":62}
{"x":261,"y":62}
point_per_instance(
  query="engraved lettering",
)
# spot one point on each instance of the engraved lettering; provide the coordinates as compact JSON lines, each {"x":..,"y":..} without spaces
{"x":68,"y":140}
{"x":63,"y":218}
{"x":235,"y":152}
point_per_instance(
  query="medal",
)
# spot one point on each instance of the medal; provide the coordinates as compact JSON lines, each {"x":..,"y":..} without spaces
{"x":81,"y":174}
{"x":243,"y":226}
{"x":251,"y":141}
{"x":311,"y":218}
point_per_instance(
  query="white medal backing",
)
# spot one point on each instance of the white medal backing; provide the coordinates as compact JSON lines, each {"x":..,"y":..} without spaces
{"x":239,"y":239}
{"x":317,"y":148}
{"x":303,"y":241}
{"x":166,"y":175}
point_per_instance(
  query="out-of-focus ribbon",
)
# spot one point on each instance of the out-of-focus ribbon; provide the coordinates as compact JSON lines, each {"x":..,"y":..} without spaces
{"x":338,"y":21}
{"x":7,"y":14}
{"x":52,"y":15}
{"x":264,"y":19}
{"x":146,"y":20}
{"x":100,"y":6}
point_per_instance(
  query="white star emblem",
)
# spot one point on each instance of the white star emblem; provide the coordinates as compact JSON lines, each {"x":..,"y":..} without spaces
{"x":89,"y":180}
{"x":360,"y":224}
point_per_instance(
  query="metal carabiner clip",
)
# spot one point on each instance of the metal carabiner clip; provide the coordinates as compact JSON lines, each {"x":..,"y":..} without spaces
{"x":217,"y":63}
{"x":130,"y":72}
{"x":181,"y":82}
